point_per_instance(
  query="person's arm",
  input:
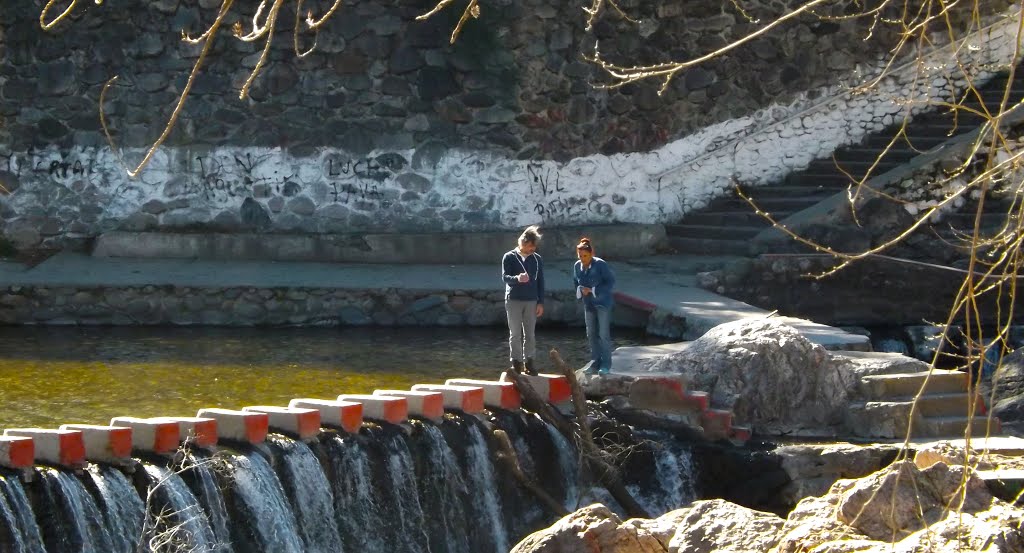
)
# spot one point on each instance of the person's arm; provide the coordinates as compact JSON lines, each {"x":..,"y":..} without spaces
{"x":507,"y":275}
{"x":608,"y":279}
{"x":540,"y":281}
{"x":576,"y":282}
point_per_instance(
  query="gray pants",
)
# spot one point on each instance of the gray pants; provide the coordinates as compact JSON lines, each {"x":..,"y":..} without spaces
{"x":522,"y":318}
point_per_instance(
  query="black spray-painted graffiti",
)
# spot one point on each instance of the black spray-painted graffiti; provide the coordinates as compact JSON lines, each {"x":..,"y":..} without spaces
{"x":361,"y":179}
{"x":554,"y":204}
{"x":219,"y":178}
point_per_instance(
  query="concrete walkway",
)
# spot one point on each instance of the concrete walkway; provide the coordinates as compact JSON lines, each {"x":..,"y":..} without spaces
{"x":664,"y":283}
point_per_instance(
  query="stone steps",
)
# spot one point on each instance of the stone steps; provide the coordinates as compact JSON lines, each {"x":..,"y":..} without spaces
{"x":943,"y":406}
{"x":826,"y":176}
{"x":667,"y":395}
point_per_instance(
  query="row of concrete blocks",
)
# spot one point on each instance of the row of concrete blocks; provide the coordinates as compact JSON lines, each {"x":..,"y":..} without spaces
{"x":668,"y":394}
{"x":72,"y":445}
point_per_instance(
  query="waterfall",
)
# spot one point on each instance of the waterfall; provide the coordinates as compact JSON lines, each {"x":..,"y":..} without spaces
{"x":122,"y":507}
{"x":70,"y":520}
{"x":485,"y":498}
{"x":264,"y":521}
{"x":198,"y":470}
{"x":173,"y":514}
{"x":569,"y":465}
{"x":19,"y":532}
{"x":442,"y":491}
{"x":309,"y":493}
{"x":672,"y":484}
{"x":404,"y":497}
{"x":355,"y":503}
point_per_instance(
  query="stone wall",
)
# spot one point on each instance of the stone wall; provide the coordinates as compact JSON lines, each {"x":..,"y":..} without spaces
{"x":247,"y":306}
{"x":387,"y":128}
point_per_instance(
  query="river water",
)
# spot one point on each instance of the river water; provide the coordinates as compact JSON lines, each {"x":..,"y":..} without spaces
{"x":55,"y":375}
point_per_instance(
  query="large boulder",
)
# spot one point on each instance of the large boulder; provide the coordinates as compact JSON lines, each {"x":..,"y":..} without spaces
{"x":592,"y":529}
{"x":905,"y":509}
{"x":1008,"y":392}
{"x":703,"y":527}
{"x":774,"y":379}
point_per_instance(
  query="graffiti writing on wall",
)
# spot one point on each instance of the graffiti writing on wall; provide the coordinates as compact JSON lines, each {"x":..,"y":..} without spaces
{"x":555,"y":203}
{"x":224,"y":178}
{"x":362,"y":180}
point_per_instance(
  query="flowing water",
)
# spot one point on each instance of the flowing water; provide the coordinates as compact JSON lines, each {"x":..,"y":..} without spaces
{"x":21,"y":533}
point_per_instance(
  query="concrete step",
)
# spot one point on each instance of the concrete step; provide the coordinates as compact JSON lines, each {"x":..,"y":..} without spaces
{"x":775,"y":205}
{"x":742,"y":217}
{"x":1006,"y":484}
{"x":947,"y":404}
{"x":856,"y":168}
{"x":803,"y":189}
{"x":892,"y":419}
{"x":709,"y":246}
{"x":727,"y":232}
{"x":896,"y":155}
{"x":902,"y":385}
{"x":954,"y":425}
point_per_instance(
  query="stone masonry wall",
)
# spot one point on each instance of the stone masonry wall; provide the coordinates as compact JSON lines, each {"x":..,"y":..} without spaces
{"x":386,"y":128}
{"x":247,"y":306}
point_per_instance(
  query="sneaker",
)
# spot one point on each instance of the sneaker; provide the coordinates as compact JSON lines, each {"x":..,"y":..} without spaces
{"x":604,"y":370}
{"x":591,"y":369}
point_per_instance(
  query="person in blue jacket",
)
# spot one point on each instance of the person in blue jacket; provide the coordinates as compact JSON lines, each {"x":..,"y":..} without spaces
{"x":522,"y":270}
{"x":595,"y":284}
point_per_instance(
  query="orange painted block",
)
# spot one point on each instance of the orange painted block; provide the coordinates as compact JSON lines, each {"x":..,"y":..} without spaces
{"x":64,"y":448}
{"x":468,"y":399}
{"x":104,"y":444}
{"x":297,"y":421}
{"x":199,"y":431}
{"x":429,"y":405}
{"x":152,"y":435}
{"x":394,"y":410}
{"x":500,"y":395}
{"x":717,"y":423}
{"x":347,"y":415}
{"x":241,"y":426}
{"x":699,"y":401}
{"x":17,"y":452}
{"x":740,"y":433}
{"x":558,"y":388}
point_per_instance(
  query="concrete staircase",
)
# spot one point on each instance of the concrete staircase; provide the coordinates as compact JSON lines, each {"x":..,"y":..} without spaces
{"x":728,"y":224}
{"x":946,"y":408}
{"x":666,"y":396}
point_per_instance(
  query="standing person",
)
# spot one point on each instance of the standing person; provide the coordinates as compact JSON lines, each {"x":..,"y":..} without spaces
{"x":522,"y":270}
{"x":595,"y":284}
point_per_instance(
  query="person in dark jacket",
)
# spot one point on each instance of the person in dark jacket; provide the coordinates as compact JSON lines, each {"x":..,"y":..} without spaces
{"x":522,"y":270}
{"x":595,"y":284}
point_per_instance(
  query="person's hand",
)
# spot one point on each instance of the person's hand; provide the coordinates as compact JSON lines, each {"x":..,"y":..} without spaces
{"x":586,"y":291}
{"x":540,"y":310}
{"x":524,"y":277}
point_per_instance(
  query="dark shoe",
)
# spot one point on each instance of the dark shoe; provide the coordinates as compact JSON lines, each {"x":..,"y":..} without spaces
{"x":517,"y":366}
{"x":529,"y":367}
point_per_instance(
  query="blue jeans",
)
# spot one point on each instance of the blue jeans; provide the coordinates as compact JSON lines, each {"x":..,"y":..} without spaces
{"x":599,"y":333}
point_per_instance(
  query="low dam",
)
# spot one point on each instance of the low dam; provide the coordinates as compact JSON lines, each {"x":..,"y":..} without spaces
{"x":406,"y":471}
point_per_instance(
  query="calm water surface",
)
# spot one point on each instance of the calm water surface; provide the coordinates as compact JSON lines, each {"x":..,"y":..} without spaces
{"x":55,"y":375}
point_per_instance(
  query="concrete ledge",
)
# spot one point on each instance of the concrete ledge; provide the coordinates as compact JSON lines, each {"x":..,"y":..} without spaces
{"x":501,"y":395}
{"x":468,"y":399}
{"x":198,"y":431}
{"x":151,"y":435}
{"x":295,"y":421}
{"x":394,"y":410}
{"x":554,"y":387}
{"x":614,"y":241}
{"x":17,"y":452}
{"x":429,"y":405}
{"x":64,"y":448}
{"x":240,"y":426}
{"x":104,"y":444}
{"x":346,"y":415}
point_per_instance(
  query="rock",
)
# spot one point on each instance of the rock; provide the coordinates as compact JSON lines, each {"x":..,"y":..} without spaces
{"x":591,"y":529}
{"x":767,"y":373}
{"x":904,"y":509}
{"x":813,"y":469}
{"x":719,"y":526}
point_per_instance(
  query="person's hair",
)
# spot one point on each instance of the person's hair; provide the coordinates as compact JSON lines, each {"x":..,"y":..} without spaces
{"x":531,"y":235}
{"x":585,"y":245}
